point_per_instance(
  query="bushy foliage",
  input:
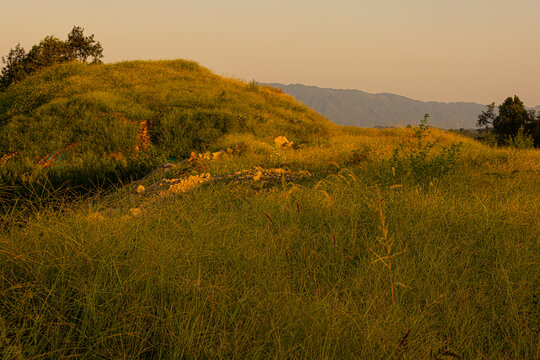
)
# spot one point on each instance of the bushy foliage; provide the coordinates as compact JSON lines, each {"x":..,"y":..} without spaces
{"x":360,"y":154}
{"x":50,"y":51}
{"x":419,"y":161}
{"x":200,"y":129}
{"x":78,"y":174}
{"x":512,"y":117}
{"x":521,"y":140}
{"x":488,"y":137}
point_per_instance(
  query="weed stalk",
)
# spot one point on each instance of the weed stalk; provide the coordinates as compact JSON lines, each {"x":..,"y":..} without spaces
{"x":387,"y":242}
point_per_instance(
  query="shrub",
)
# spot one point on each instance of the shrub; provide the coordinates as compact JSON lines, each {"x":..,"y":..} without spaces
{"x":76,"y":174}
{"x":488,"y":138}
{"x":181,"y":131}
{"x":420,"y":162}
{"x":360,"y":154}
{"x":521,"y":140}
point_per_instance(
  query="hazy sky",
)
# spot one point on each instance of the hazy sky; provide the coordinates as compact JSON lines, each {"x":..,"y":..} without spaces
{"x":444,"y":50}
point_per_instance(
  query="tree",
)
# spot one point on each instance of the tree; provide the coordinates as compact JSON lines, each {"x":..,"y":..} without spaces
{"x":487,"y":116}
{"x":13,"y":71}
{"x":82,"y":47}
{"x":535,"y":128}
{"x":512,"y":116}
{"x":50,"y":51}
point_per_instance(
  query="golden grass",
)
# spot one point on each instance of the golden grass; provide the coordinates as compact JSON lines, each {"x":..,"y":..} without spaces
{"x":277,"y":265}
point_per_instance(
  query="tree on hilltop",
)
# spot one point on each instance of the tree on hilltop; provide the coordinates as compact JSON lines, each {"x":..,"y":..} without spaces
{"x":50,"y":51}
{"x":14,"y":69}
{"x":82,"y":47}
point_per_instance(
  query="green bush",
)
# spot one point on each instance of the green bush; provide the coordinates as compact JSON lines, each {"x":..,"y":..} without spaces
{"x":419,"y":162}
{"x":360,"y":154}
{"x":180,"y":131}
{"x":521,"y":140}
{"x":488,"y":137}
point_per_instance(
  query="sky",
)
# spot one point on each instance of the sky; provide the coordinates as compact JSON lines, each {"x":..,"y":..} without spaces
{"x":440,"y":50}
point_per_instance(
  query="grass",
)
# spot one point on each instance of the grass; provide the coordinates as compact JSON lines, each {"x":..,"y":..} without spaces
{"x":89,"y":117}
{"x":291,"y":270}
{"x":98,"y":108}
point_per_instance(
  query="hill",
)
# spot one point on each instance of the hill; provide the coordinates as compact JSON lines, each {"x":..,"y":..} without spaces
{"x":358,"y":108}
{"x":187,"y":107}
{"x":116,"y":113}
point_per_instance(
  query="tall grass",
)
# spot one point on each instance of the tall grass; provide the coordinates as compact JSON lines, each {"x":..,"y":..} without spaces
{"x":240,"y":271}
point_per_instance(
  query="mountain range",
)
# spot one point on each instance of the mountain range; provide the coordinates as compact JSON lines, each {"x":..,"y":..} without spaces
{"x":359,"y":108}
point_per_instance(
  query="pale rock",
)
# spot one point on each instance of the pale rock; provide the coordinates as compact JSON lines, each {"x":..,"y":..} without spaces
{"x":281,"y":141}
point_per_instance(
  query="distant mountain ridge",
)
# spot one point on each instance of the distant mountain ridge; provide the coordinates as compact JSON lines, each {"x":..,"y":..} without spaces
{"x":359,"y":108}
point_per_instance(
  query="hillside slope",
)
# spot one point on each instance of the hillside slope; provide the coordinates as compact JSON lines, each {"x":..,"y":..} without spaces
{"x":99,"y":109}
{"x":354,"y":107}
{"x":371,"y":245}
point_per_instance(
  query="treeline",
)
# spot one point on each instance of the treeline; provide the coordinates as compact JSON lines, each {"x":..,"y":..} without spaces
{"x":512,"y":125}
{"x":50,"y":51}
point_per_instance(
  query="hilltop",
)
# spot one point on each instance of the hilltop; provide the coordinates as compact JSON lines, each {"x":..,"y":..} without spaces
{"x":359,"y":108}
{"x":187,"y":107}
{"x":107,"y":116}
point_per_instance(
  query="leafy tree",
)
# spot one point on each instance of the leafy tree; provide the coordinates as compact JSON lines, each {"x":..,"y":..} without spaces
{"x":82,"y":47}
{"x":487,"y":116}
{"x":50,"y":51}
{"x":535,"y":130}
{"x":511,"y":117}
{"x":14,"y":69}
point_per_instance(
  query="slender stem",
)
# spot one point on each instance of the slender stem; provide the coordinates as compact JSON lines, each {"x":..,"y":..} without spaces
{"x":388,"y":246}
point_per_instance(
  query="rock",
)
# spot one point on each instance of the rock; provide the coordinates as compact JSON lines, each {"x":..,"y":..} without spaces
{"x":281,"y":141}
{"x":257,"y":176}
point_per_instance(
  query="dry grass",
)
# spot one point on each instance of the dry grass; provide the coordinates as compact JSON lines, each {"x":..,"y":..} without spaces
{"x":288,"y":270}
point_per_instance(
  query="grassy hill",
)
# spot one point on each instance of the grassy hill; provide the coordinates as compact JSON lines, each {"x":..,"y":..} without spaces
{"x":92,"y":113}
{"x":406,"y":243}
